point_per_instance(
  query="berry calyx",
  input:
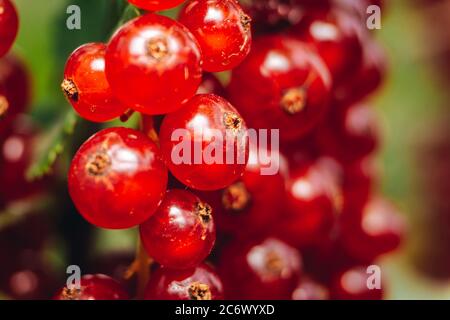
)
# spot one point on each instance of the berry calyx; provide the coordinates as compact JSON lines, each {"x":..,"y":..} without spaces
{"x":200,"y":283}
{"x":85,"y":85}
{"x":9,"y":25}
{"x":181,"y":233}
{"x":224,"y":38}
{"x":117,"y":178}
{"x":94,"y":287}
{"x":153,"y":64}
{"x":205,"y":143}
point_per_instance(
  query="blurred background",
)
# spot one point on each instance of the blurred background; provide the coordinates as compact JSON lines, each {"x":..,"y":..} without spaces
{"x":41,"y":234}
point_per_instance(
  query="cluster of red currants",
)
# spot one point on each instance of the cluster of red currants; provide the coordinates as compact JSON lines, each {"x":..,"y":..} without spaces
{"x":310,"y":230}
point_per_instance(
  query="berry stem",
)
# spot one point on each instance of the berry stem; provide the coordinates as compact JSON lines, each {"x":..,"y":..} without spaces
{"x":148,"y":128}
{"x":141,"y":267}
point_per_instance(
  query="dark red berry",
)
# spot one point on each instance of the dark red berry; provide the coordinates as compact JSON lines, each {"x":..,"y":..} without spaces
{"x":94,"y":287}
{"x":338,"y":39}
{"x":267,"y":269}
{"x":86,"y":87}
{"x":352,"y":284}
{"x":181,"y":233}
{"x":282,"y":78}
{"x":201,"y":283}
{"x":253,"y":203}
{"x":153,"y":64}
{"x":205,"y":143}
{"x":349,"y":134}
{"x":222,"y":30}
{"x":313,"y":200}
{"x":15,"y":80}
{"x":309,"y":289}
{"x":9,"y":25}
{"x":117,"y":178}
{"x":155,"y":5}
{"x":375,"y":229}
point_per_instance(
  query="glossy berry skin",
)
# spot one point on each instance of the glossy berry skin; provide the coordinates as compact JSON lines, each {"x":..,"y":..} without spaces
{"x":197,"y":139}
{"x":259,"y":269}
{"x":309,"y":289}
{"x":94,"y":287}
{"x":16,"y":155}
{"x":153,"y":64}
{"x":252,"y":204}
{"x":313,"y":202}
{"x":349,"y":133}
{"x":15,"y":80}
{"x":85,"y":85}
{"x":210,"y":84}
{"x":200,"y":283}
{"x":9,"y":25}
{"x":351,"y":284}
{"x":337,"y":36}
{"x":117,"y":178}
{"x":181,"y":233}
{"x":287,"y":80}
{"x":155,"y":5}
{"x":375,"y":229}
{"x":222,"y":30}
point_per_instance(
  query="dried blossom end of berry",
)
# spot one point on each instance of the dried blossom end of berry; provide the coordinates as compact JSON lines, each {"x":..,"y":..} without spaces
{"x":199,"y":291}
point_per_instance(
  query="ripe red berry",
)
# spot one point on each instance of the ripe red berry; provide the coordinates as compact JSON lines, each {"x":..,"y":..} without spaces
{"x":222,"y":30}
{"x":349,"y":133}
{"x":351,"y":284}
{"x":205,"y":143}
{"x":153,"y":64}
{"x":375,"y":229}
{"x":16,"y":84}
{"x":181,"y":233}
{"x":252,"y":204}
{"x":337,"y":36}
{"x":9,"y":25}
{"x":287,"y":81}
{"x":313,"y":201}
{"x":309,"y":289}
{"x":94,"y":287}
{"x":86,"y":87}
{"x":117,"y":178}
{"x":201,"y":283}
{"x":155,"y":5}
{"x":210,"y":84}
{"x":267,"y":269}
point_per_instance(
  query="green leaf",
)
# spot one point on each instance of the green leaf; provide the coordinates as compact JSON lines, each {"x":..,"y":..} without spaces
{"x":52,"y":144}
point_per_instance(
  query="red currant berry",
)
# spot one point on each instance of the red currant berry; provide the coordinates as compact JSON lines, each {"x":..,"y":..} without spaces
{"x":153,"y":64}
{"x":222,"y":30}
{"x":267,"y":269}
{"x":117,"y":178}
{"x":94,"y":287}
{"x":313,"y":201}
{"x":181,"y":233}
{"x":367,"y":78}
{"x":284,"y":78}
{"x":337,"y":37}
{"x":155,"y":5}
{"x":252,"y":204}
{"x":16,"y":152}
{"x":210,"y":84}
{"x":351,"y":284}
{"x":201,"y":283}
{"x":349,"y":134}
{"x":205,"y":143}
{"x":309,"y":289}
{"x":15,"y":80}
{"x":86,"y":87}
{"x":373,"y":230}
{"x":9,"y":25}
